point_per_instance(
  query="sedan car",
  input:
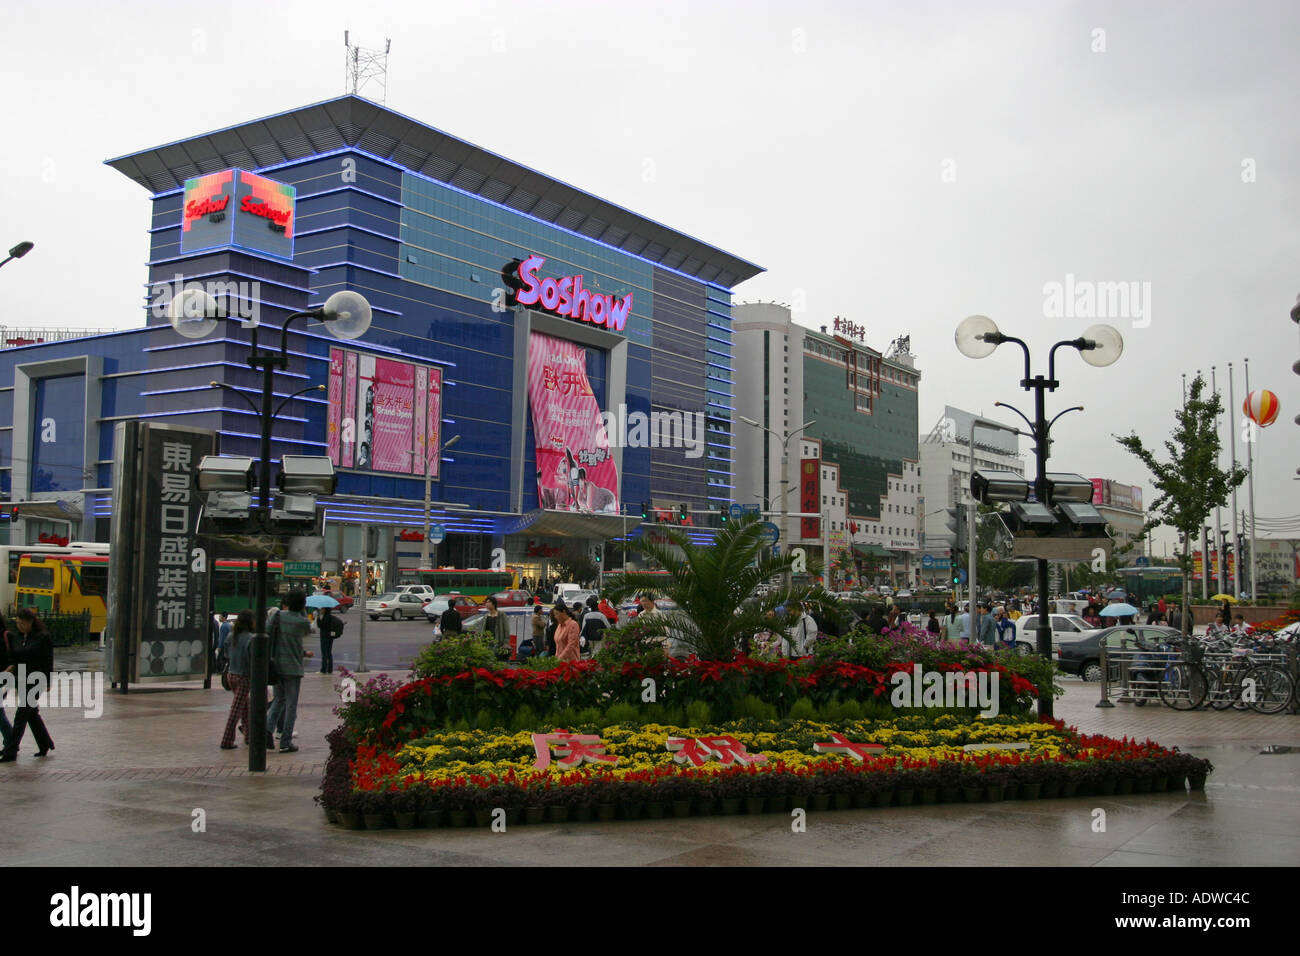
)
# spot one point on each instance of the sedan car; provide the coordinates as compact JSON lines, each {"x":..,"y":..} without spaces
{"x":394,"y":605}
{"x":513,"y":598}
{"x":463,"y":605}
{"x":1065,"y":627}
{"x":1083,"y":657}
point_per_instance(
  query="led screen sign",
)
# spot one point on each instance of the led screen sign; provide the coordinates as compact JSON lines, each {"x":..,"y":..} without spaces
{"x":238,"y":208}
{"x":564,"y":296}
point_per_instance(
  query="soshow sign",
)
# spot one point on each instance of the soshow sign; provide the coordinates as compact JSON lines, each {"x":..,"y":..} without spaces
{"x":238,"y":208}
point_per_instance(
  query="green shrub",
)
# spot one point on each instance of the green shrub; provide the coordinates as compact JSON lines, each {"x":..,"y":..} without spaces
{"x":487,"y":719}
{"x":750,"y":706}
{"x":699,"y":713}
{"x":525,"y":719}
{"x":452,"y":655}
{"x":590,"y":715}
{"x":623,"y":713}
{"x":803,"y":709}
{"x":669,"y":716}
{"x":850,"y":710}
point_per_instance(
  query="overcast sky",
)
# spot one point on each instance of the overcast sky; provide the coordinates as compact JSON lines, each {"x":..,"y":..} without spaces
{"x":902,"y":165}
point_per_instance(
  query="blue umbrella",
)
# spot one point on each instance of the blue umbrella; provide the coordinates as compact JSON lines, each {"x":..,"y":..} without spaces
{"x":1119,"y":610}
{"x":1116,"y":596}
{"x":321,"y":600}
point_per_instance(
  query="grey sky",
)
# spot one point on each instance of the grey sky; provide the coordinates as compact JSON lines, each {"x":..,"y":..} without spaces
{"x":901,"y":165}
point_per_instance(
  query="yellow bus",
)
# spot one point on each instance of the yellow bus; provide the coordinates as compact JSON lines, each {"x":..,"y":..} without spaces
{"x":11,"y":554}
{"x":64,"y":584}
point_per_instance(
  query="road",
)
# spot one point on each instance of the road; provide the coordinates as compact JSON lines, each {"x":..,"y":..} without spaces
{"x":390,"y":645}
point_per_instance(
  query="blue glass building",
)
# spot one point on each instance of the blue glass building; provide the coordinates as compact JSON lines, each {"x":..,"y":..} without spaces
{"x":420,"y":223}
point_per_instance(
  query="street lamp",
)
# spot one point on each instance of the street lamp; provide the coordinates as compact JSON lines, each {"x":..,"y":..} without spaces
{"x":428,"y":495}
{"x":346,"y":315}
{"x":973,"y":515}
{"x":18,"y":251}
{"x":1101,"y":345}
{"x":785,"y":476}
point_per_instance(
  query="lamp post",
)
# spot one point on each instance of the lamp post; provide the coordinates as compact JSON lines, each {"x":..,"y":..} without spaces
{"x":428,"y":494}
{"x":18,"y":251}
{"x":977,"y":337}
{"x":785,"y":477}
{"x":194,"y":314}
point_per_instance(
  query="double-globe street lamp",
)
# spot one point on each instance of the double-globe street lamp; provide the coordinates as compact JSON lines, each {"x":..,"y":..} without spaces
{"x":784,"y":439}
{"x":18,"y":251}
{"x":194,"y":314}
{"x":978,"y":337}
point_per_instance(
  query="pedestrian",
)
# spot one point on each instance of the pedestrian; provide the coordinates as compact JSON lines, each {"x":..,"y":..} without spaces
{"x":450,"y":620}
{"x":594,"y":625}
{"x":223,"y":634}
{"x":1006,"y":627}
{"x":31,"y":646}
{"x":610,"y":612}
{"x":876,"y":620}
{"x":237,"y":653}
{"x":805,"y":634}
{"x":331,"y":628}
{"x":566,"y":634}
{"x":932,"y":625}
{"x":538,"y":648}
{"x":6,"y":728}
{"x":287,"y":631}
{"x":499,"y":628}
{"x":986,"y":630}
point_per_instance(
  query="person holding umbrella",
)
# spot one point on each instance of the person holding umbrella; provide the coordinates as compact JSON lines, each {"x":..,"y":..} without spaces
{"x":329,"y":627}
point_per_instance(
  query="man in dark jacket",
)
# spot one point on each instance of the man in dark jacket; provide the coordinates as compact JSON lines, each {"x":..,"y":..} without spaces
{"x":32,"y":647}
{"x":450,"y":621}
{"x":287,"y":632}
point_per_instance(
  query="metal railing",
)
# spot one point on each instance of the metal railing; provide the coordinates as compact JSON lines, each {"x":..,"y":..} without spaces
{"x":1134,"y":674}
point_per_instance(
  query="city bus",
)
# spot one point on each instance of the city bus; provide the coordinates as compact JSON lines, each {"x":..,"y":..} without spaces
{"x":474,"y":583}
{"x":64,"y":584}
{"x":234,"y":585}
{"x":11,"y":554}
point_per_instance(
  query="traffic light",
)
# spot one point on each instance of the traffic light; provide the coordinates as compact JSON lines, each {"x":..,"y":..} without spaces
{"x":682,"y":513}
{"x":645,"y":510}
{"x":726,"y":513}
{"x":597,"y":553}
{"x":13,"y":513}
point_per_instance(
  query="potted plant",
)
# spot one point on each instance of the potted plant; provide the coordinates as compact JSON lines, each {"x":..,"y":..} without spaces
{"x":405,"y":803}
{"x":949,"y":777}
{"x":759,"y":785}
{"x":348,"y":809}
{"x":1030,"y":778}
{"x":374,"y":807}
{"x":728,"y":786}
{"x":631,"y":798}
{"x":905,"y":786}
{"x":556,"y":801}
{"x":819,"y":792}
{"x":972,"y":783}
{"x":995,"y":778}
{"x":431,"y":803}
{"x":1051,"y":777}
{"x":1197,"y":770}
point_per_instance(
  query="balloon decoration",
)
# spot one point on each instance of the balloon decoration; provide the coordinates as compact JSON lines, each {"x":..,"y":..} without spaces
{"x":1261,"y":407}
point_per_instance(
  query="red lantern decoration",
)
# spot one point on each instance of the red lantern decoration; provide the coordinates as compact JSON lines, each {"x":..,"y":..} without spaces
{"x":1261,"y":407}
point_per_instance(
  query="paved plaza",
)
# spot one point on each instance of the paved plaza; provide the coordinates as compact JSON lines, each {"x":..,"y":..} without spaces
{"x":124,"y":789}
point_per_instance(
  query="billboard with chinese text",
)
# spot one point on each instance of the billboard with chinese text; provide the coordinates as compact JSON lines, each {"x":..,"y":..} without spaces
{"x":384,"y":414}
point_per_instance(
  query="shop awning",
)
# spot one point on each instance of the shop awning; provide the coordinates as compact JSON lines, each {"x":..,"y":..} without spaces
{"x":571,"y":524}
{"x":871,"y":551}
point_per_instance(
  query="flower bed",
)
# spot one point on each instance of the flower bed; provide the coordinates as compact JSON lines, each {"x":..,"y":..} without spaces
{"x":452,"y":775}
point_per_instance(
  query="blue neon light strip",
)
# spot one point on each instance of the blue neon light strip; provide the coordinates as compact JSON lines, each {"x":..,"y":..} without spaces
{"x":345,"y":225}
{"x":186,"y":368}
{"x":198,"y":276}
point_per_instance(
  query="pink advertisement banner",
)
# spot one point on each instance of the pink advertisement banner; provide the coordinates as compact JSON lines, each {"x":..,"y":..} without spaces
{"x":574,"y":469}
{"x":383,"y":414}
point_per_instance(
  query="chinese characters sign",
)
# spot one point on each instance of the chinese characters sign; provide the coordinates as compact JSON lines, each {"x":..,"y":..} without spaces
{"x":385,"y":415}
{"x":810,"y":497}
{"x":172,"y":593}
{"x":574,"y":469}
{"x":850,"y":329}
{"x":238,"y":208}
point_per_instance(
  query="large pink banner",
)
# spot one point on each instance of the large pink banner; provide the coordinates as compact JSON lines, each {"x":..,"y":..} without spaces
{"x":335,"y":400}
{"x":574,"y":468}
{"x":433,"y":420}
{"x":393,"y":442}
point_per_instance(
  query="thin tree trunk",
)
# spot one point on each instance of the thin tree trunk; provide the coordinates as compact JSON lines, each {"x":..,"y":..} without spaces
{"x":1187,"y":584}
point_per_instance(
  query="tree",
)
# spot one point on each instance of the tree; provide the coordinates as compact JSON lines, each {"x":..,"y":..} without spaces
{"x":1190,"y":484}
{"x":716,"y":587}
{"x":575,"y":564}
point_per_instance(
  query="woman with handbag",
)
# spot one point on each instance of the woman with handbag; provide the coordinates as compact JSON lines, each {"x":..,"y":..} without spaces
{"x":237,"y":654}
{"x":498,"y":627}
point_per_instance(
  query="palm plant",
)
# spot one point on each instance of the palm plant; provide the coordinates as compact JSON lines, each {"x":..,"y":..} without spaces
{"x":716,"y":587}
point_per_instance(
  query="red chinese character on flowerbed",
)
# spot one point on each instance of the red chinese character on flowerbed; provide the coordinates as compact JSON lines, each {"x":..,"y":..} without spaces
{"x":569,"y":750}
{"x":839,"y":744}
{"x":700,"y":750}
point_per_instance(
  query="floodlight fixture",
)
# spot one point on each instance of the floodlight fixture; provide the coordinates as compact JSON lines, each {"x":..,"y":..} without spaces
{"x":1081,"y":514}
{"x":225,"y":473}
{"x":991,"y":486}
{"x":1064,"y":486}
{"x":306,"y":475}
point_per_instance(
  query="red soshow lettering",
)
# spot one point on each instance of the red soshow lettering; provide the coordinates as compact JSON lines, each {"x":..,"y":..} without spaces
{"x":278,"y":216}
{"x":568,"y":298}
{"x":202,"y":207}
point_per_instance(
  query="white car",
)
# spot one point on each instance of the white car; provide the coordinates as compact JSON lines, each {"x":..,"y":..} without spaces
{"x":1065,"y":627}
{"x":425,"y":589}
{"x":396,"y":605}
{"x":903,"y":594}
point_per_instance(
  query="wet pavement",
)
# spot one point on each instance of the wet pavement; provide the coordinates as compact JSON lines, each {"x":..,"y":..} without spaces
{"x":132,"y":786}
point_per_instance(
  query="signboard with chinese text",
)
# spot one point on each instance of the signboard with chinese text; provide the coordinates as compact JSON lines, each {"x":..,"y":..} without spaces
{"x":159,"y":587}
{"x":810,"y":492}
{"x":238,"y":208}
